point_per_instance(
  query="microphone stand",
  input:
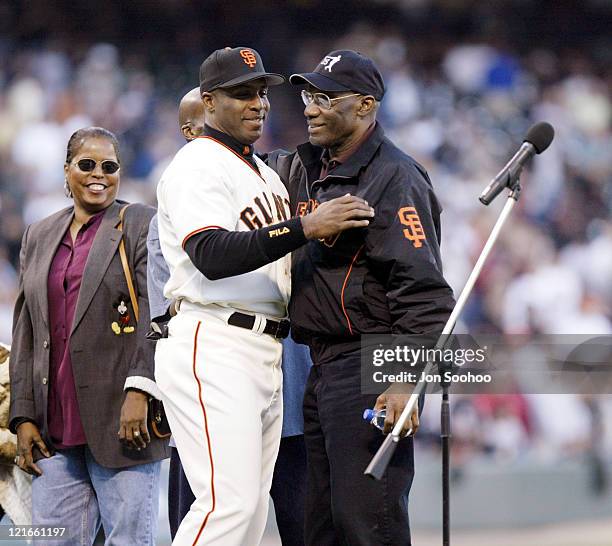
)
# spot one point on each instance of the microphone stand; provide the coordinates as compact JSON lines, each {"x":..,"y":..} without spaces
{"x":380,"y":461}
{"x":445,"y":436}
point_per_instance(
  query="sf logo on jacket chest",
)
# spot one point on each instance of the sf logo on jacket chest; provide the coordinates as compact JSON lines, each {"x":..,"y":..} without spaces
{"x":414,"y":231}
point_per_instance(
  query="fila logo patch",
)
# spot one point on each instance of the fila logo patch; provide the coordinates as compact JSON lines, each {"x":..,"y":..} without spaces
{"x":278,"y":231}
{"x":328,"y":62}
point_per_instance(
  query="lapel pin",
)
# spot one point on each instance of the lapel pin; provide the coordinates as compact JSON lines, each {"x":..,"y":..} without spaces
{"x":122,"y":323}
{"x":124,"y":316}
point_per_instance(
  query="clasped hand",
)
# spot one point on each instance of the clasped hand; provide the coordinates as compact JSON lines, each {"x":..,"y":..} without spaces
{"x":394,"y":400}
{"x":133,"y":430}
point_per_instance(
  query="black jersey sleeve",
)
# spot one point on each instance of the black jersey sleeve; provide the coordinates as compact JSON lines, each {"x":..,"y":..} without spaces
{"x":218,"y":253}
{"x":405,"y":254}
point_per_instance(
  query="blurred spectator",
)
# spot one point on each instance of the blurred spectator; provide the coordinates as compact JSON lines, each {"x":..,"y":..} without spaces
{"x":15,"y":485}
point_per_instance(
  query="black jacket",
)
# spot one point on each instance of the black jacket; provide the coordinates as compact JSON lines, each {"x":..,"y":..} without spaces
{"x":386,"y":278}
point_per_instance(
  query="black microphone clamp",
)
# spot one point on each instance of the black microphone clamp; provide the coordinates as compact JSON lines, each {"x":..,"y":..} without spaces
{"x":509,"y":175}
{"x":538,"y":138}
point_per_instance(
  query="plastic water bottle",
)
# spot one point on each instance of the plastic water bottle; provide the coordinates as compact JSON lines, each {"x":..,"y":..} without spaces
{"x":375,"y":417}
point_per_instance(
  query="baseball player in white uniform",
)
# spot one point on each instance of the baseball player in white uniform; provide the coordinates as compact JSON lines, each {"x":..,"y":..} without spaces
{"x":226,"y":232}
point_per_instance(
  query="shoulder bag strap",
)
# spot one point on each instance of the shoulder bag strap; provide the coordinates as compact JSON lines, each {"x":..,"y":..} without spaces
{"x":126,"y":266}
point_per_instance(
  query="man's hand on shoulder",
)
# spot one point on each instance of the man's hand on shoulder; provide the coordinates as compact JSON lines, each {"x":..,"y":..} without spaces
{"x":337,"y":215}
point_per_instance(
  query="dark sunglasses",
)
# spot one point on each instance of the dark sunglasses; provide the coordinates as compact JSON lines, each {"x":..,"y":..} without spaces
{"x":88,"y":165}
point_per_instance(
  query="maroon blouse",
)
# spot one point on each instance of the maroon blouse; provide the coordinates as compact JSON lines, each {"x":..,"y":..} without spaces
{"x":63,"y":285}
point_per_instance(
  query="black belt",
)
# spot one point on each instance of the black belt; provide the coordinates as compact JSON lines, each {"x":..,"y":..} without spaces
{"x":276,"y":328}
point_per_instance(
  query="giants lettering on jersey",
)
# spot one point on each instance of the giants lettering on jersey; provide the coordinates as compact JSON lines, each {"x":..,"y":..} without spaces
{"x":261,"y":212}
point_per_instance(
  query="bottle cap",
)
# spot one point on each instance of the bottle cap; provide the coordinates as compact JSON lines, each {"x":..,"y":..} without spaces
{"x":368,"y":414}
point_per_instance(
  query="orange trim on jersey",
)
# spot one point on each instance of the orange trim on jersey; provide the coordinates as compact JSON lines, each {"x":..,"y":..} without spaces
{"x":348,"y":274}
{"x":210,"y":456}
{"x":195,"y":232}
{"x":236,"y":154}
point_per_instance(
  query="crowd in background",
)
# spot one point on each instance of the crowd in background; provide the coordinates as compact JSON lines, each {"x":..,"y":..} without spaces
{"x":461,"y":113}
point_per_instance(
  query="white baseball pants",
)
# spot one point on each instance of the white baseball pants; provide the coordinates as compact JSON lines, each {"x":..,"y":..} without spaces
{"x":222,"y":392}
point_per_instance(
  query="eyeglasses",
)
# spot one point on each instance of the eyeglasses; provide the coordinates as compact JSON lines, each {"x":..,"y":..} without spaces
{"x":88,"y":165}
{"x":322,"y":100}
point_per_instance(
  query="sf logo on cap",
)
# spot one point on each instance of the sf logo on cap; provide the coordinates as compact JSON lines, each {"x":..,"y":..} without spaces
{"x":328,"y":62}
{"x":249,"y":57}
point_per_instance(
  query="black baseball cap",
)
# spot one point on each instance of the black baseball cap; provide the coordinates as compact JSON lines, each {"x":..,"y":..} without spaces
{"x":232,"y":66}
{"x":344,"y":70}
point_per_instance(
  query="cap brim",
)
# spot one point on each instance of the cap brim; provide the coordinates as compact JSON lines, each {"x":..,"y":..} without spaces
{"x":271,"y":79}
{"x":317,"y":80}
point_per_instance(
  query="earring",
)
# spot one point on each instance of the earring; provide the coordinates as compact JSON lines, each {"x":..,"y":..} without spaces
{"x":67,"y":190}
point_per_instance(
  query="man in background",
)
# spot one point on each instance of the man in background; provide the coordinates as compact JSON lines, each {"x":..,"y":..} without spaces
{"x":15,"y":485}
{"x":180,"y":496}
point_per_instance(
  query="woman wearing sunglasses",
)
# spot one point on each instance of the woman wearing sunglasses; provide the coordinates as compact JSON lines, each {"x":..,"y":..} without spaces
{"x":81,"y":368}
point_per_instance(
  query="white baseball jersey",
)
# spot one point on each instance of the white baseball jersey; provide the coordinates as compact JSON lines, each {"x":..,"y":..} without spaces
{"x":209,"y":186}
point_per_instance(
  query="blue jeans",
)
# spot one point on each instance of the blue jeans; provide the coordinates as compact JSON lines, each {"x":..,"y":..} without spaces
{"x":75,"y":492}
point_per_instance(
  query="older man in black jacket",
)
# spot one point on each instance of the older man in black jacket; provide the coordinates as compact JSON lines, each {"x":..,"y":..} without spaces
{"x":382,"y":279}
